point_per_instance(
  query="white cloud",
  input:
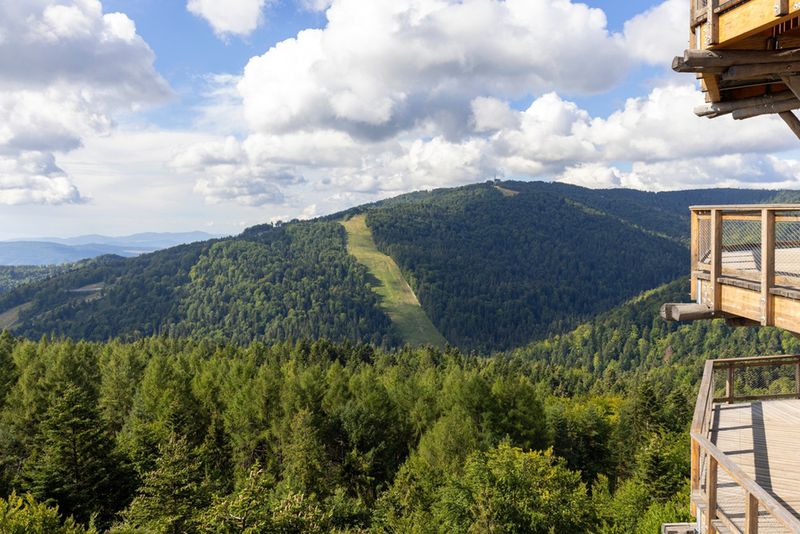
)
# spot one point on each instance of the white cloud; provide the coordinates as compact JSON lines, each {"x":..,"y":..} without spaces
{"x":316,"y":5}
{"x":66,"y":69}
{"x":658,"y":34}
{"x":387,"y":66}
{"x":34,"y":178}
{"x":226,"y":17}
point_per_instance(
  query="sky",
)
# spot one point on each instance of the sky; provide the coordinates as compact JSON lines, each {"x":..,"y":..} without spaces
{"x":124,"y":116}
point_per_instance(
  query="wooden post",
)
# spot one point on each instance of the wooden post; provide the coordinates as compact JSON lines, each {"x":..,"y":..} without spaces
{"x":695,"y":474}
{"x":695,"y":236}
{"x":797,"y":377}
{"x":711,"y":490}
{"x":729,"y":385}
{"x":750,"y":514}
{"x":781,"y":8}
{"x":716,"y":259}
{"x":767,"y":266}
{"x":712,"y":18}
{"x":791,"y":121}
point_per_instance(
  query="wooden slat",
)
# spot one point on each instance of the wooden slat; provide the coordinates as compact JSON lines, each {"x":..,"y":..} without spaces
{"x":695,"y":236}
{"x":716,"y":258}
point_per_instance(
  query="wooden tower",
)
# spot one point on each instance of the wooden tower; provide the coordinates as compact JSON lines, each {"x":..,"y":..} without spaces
{"x":746,"y":54}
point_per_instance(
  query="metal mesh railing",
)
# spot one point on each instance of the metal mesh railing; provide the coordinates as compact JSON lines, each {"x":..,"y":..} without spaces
{"x":787,"y":244}
{"x":741,"y":243}
{"x":704,"y":240}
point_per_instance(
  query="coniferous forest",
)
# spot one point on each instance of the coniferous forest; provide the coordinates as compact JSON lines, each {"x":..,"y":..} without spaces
{"x":255,"y":384}
{"x":584,"y":432}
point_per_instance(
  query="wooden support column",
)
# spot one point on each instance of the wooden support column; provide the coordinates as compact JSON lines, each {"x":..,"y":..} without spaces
{"x":797,"y":377}
{"x":712,"y":20}
{"x":695,"y":237}
{"x":781,"y":8}
{"x":767,"y":265}
{"x":711,"y":491}
{"x":716,"y":259}
{"x":750,"y":514}
{"x":791,"y":121}
{"x":695,"y":474}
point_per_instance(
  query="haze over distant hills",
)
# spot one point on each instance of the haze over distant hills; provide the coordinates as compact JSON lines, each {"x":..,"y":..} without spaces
{"x":55,"y":250}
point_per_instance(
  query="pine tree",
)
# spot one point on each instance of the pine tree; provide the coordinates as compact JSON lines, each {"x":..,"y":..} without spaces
{"x":73,"y":461}
{"x":172,"y":493}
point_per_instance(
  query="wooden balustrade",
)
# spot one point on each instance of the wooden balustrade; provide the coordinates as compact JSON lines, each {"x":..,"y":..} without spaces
{"x":755,"y":497}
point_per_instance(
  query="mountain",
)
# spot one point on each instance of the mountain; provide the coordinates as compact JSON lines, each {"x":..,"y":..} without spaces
{"x":54,"y":250}
{"x":493,"y":266}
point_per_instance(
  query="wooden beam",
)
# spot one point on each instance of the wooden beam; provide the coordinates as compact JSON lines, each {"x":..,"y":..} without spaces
{"x":710,"y":85}
{"x":723,"y":108}
{"x":694,"y":236}
{"x":768,"y":263}
{"x":731,"y":58}
{"x":781,"y":8}
{"x":766,"y":109}
{"x":791,"y":121}
{"x":686,"y":312}
{"x":755,"y":71}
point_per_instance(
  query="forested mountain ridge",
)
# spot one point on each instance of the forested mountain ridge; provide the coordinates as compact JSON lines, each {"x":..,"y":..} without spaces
{"x":491,"y":271}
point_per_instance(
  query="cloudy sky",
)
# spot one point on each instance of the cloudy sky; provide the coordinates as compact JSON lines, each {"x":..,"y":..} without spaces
{"x":119,"y":116}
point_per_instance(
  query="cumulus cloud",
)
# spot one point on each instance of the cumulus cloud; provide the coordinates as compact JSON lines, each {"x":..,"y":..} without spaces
{"x":396,"y":95}
{"x":229,"y":17}
{"x":387,"y":66}
{"x":65,"y":69}
{"x":658,"y":34}
{"x":34,"y":178}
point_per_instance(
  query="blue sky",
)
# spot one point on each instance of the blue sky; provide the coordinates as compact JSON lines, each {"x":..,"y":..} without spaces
{"x":118,"y":116}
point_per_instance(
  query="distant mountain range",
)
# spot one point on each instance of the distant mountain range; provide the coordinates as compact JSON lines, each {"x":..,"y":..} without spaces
{"x":56,"y":250}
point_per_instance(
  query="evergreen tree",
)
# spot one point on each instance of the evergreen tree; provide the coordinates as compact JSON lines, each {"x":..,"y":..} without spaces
{"x":172,"y":494}
{"x":74,"y":463}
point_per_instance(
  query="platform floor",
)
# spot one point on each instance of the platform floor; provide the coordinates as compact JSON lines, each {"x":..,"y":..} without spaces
{"x":764,"y":439}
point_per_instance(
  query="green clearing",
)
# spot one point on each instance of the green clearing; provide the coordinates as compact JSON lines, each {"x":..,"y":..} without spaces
{"x":397,"y":299}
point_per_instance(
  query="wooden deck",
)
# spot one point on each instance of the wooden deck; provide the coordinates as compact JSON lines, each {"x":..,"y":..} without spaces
{"x":763,"y":438}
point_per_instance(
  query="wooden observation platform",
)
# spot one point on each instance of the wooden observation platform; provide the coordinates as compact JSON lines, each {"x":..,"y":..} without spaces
{"x":746,"y":54}
{"x":745,"y":436}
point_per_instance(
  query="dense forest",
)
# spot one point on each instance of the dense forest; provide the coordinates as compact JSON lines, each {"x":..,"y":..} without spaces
{"x":584,"y":432}
{"x":12,"y":276}
{"x":493,"y":269}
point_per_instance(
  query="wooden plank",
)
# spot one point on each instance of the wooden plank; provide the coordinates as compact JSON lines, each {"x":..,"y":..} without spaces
{"x":730,"y":384}
{"x":748,"y":207}
{"x":748,"y":19}
{"x":695,"y":473}
{"x":755,"y":71}
{"x":767,"y":265}
{"x":710,"y":85}
{"x":716,"y":258}
{"x":781,"y":8}
{"x":739,"y":302}
{"x":712,"y":20}
{"x":786,"y":313}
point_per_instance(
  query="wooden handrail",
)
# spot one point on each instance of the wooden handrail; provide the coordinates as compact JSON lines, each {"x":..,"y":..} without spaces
{"x":765,"y":500}
{"x":754,"y":494}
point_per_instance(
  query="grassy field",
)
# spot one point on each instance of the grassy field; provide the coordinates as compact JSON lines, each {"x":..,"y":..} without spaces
{"x":397,"y":299}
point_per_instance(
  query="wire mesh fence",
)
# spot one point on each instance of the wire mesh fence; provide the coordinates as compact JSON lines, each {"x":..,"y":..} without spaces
{"x":762,"y":380}
{"x":787,"y":244}
{"x":741,"y":243}
{"x":704,"y":240}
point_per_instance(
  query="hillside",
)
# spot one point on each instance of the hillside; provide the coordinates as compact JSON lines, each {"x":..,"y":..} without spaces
{"x":495,"y":270}
{"x":491,"y":270}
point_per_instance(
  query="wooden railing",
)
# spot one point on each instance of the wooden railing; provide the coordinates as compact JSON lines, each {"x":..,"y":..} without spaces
{"x":754,"y":249}
{"x":705,"y":452}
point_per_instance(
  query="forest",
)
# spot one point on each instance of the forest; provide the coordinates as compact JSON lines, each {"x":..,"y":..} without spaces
{"x":486,"y":268}
{"x":585,"y":432}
